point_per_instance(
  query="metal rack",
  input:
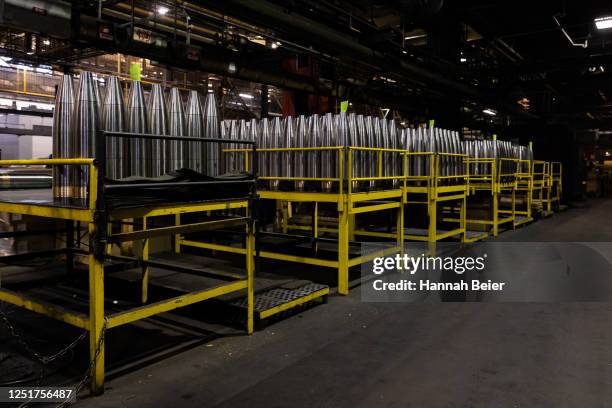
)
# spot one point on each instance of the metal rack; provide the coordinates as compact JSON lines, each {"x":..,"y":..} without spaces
{"x":433,"y":189}
{"x":348,"y":204}
{"x":98,"y":217}
{"x":524,"y":193}
{"x":540,"y":171}
{"x":554,"y":187}
{"x":495,"y":177}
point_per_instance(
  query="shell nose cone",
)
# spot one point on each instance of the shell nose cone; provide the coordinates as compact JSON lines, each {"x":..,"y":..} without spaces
{"x":61,"y":134}
{"x":137,"y":122}
{"x":114,"y":109}
{"x":196,"y":152}
{"x":175,"y":149}
{"x":85,"y":126}
{"x":114,"y":120}
{"x":211,"y":130}
{"x":155,"y":153}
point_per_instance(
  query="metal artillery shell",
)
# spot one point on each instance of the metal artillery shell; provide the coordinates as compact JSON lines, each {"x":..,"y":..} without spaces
{"x":211,"y":130}
{"x":314,"y":157}
{"x":264,"y":143}
{"x":392,"y":158}
{"x":371,"y":141}
{"x":275,"y":157}
{"x":155,"y":151}
{"x":85,"y":125}
{"x":342,"y":137}
{"x":137,"y":122}
{"x":175,"y":149}
{"x":328,"y":167}
{"x":353,"y":139}
{"x":299,"y":159}
{"x":243,"y":133}
{"x":195,"y":128}
{"x":114,"y":120}
{"x":229,"y":131}
{"x":361,"y":156}
{"x":288,"y":142}
{"x":62,"y":127}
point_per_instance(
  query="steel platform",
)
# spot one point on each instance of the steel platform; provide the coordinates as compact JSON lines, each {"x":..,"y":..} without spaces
{"x":274,"y":301}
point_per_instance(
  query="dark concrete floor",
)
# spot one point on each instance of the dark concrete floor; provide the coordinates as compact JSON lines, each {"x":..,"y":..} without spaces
{"x":353,"y":354}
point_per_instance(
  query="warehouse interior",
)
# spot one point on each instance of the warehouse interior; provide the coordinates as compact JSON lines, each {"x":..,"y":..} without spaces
{"x":194,"y":194}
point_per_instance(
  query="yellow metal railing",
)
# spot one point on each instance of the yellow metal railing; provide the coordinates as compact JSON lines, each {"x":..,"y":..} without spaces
{"x":342,"y":155}
{"x":93,"y":171}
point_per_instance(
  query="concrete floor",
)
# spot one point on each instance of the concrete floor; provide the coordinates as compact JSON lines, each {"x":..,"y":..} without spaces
{"x":353,"y":354}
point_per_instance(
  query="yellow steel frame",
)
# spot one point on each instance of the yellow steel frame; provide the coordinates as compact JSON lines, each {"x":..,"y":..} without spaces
{"x":348,"y":204}
{"x":552,"y":186}
{"x":433,"y":189}
{"x":540,"y":172}
{"x":547,"y":198}
{"x":494,"y":181}
{"x":96,"y":322}
{"x":524,"y":188}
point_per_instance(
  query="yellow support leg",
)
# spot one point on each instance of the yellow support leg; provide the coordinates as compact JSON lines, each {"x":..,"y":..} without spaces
{"x":109,"y":247}
{"x":400,"y":228}
{"x":284,"y":215}
{"x":343,"y":250}
{"x":96,"y":319}
{"x":433,"y":226}
{"x":145,"y":270}
{"x":177,"y":237}
{"x":462,"y":219}
{"x":315,"y":221}
{"x":250,"y":269}
{"x":495,"y":214}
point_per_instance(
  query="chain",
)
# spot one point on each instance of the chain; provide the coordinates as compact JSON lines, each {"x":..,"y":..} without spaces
{"x":44,"y":360}
{"x":92,"y":364}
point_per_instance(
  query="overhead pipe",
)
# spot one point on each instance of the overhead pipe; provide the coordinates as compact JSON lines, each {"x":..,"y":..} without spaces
{"x":330,"y":37}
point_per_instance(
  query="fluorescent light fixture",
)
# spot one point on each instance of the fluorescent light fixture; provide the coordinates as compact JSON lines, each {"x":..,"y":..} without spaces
{"x":246,"y":96}
{"x":463,"y":59}
{"x":489,"y":112}
{"x":162,"y":10}
{"x":603,"y":23}
{"x":414,"y":37}
{"x":46,"y":42}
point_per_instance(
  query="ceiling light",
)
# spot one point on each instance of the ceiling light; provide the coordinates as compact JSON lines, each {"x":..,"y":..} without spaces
{"x":46,"y":42}
{"x":463,"y":59}
{"x":246,"y":96}
{"x":489,"y":112}
{"x":162,"y":10}
{"x":603,"y":23}
{"x":414,"y":37}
